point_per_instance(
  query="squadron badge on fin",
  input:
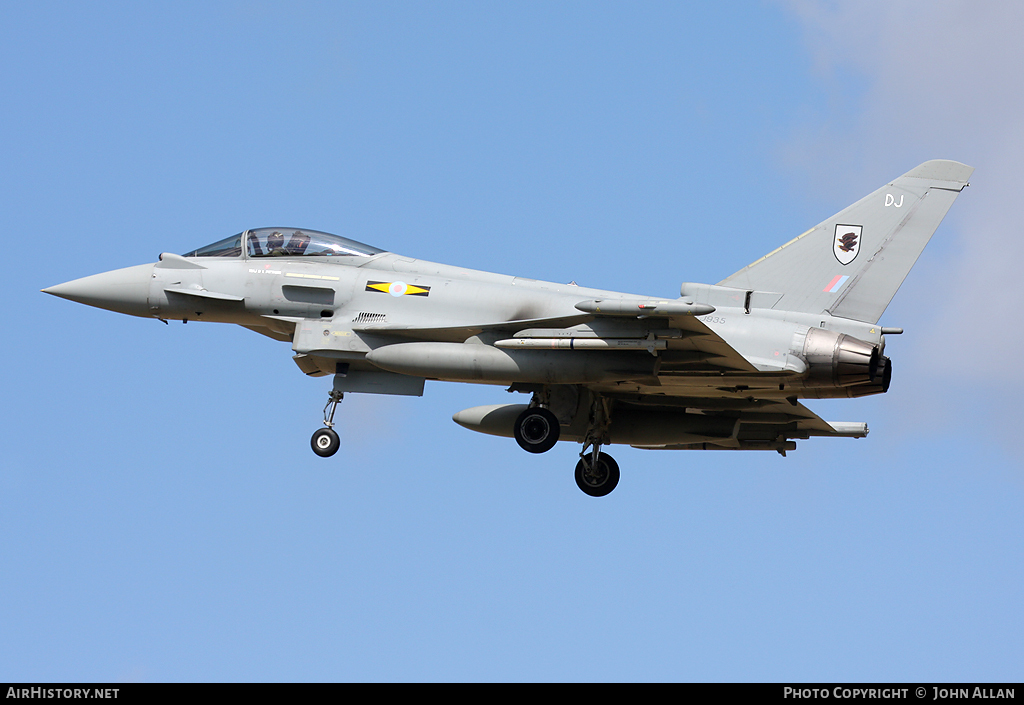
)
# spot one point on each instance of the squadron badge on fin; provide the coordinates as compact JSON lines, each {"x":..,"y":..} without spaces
{"x":846,"y":244}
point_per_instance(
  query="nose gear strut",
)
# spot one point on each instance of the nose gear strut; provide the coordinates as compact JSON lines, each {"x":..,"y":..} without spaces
{"x":333,"y":399}
{"x":325,"y":441}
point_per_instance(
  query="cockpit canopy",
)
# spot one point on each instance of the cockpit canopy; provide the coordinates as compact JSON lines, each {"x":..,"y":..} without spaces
{"x":285,"y":242}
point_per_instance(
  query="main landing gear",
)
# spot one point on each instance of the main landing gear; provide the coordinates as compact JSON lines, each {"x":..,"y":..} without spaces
{"x":325,"y":441}
{"x":537,"y":430}
{"x":597,"y":476}
{"x":597,"y":473}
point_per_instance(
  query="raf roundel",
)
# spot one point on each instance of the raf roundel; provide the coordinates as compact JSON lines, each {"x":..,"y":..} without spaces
{"x":397,"y":289}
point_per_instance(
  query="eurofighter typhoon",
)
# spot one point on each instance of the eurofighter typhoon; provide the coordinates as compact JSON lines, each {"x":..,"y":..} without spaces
{"x":722,"y":367}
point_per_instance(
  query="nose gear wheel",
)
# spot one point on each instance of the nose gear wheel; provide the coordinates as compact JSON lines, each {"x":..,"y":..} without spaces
{"x":325,"y":441}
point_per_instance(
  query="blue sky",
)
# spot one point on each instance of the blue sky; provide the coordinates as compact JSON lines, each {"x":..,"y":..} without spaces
{"x":161,"y":515}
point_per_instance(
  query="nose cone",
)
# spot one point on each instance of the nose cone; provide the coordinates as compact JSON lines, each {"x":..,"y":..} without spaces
{"x":122,"y":290}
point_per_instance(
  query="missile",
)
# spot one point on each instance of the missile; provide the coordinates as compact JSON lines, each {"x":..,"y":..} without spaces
{"x":644,"y":308}
{"x":582,"y":344}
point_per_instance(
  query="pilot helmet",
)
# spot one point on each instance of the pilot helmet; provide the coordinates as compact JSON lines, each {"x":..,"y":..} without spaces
{"x":275,"y":241}
{"x":297,"y":245}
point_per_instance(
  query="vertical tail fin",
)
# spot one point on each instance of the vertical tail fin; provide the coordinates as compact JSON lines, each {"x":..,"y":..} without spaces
{"x":852,"y":264}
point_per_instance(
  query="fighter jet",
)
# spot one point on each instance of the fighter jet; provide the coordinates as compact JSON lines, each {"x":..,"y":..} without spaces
{"x":721,"y":367}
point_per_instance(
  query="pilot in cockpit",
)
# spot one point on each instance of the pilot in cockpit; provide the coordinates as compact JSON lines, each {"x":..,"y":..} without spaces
{"x":298,"y":243}
{"x":275,"y":244}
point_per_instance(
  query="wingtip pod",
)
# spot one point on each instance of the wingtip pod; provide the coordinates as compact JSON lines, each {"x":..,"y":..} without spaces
{"x":848,"y":429}
{"x":942,"y":170}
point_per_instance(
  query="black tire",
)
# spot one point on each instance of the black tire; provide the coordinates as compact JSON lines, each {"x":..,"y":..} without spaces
{"x":325,"y":442}
{"x":601,"y":482}
{"x":536,"y":430}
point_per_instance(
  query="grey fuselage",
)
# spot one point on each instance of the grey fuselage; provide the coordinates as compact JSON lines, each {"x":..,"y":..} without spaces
{"x":328,"y":310}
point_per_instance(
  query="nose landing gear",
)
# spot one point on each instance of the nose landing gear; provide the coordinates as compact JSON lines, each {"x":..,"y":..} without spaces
{"x":325,"y":441}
